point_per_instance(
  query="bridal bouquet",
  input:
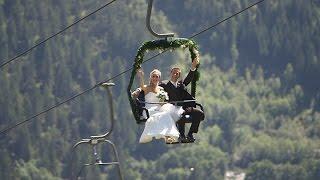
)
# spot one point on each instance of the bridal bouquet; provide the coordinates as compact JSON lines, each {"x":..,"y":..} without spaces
{"x":163,"y":96}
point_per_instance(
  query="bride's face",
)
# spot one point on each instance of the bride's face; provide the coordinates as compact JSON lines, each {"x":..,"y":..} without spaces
{"x":154,"y":78}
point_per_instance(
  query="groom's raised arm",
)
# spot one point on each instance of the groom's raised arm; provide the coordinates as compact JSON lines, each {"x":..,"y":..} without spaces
{"x":195,"y":63}
{"x":189,"y":77}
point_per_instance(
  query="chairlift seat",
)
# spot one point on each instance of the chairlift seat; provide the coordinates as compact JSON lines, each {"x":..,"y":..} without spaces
{"x":140,"y":101}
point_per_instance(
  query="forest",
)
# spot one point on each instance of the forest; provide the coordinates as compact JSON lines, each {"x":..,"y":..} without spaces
{"x":258,"y":85}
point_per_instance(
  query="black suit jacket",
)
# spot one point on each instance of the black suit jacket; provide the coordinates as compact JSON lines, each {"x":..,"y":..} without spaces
{"x":180,"y":92}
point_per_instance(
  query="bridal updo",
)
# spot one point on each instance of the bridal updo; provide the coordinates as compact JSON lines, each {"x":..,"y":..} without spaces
{"x":155,"y":71}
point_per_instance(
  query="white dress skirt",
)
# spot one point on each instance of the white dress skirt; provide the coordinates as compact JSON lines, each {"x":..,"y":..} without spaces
{"x":162,"y":120}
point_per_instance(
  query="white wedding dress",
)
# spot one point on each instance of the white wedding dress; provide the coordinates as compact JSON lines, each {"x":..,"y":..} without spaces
{"x":162,"y":120}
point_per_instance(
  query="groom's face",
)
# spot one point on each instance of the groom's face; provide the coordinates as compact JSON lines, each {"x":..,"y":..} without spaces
{"x":175,"y":74}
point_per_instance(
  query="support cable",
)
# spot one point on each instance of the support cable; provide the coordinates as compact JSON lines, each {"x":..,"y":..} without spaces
{"x":6,"y":130}
{"x":54,"y":35}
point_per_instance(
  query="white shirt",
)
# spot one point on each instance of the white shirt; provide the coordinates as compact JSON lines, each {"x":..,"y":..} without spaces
{"x":174,"y":83}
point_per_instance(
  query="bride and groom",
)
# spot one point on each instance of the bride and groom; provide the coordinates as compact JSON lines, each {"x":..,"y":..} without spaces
{"x":163,"y":120}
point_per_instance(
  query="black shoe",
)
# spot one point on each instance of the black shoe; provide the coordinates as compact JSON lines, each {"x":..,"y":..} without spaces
{"x":190,"y":138}
{"x":183,"y":139}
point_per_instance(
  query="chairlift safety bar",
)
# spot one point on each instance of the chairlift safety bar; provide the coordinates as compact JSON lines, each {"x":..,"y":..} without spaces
{"x":171,"y":102}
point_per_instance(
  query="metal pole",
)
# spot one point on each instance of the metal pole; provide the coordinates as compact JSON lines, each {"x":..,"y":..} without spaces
{"x":116,"y":156}
{"x":95,"y":140}
{"x":103,"y":136}
{"x":150,"y":2}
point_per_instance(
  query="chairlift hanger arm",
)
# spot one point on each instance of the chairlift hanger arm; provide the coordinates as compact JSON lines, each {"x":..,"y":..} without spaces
{"x":104,"y":136}
{"x":166,"y":35}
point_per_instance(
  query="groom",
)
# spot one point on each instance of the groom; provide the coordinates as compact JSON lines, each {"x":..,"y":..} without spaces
{"x":177,"y":92}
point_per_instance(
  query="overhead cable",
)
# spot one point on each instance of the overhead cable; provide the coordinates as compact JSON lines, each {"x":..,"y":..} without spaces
{"x":6,"y":130}
{"x":54,"y":35}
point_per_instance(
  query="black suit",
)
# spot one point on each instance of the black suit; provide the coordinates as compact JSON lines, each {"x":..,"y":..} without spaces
{"x":180,"y":93}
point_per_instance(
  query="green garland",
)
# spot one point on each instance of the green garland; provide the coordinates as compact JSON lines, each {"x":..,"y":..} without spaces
{"x":164,"y":45}
{"x":161,"y":45}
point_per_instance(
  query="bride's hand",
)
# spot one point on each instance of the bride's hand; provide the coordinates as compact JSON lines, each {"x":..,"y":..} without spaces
{"x":140,"y":73}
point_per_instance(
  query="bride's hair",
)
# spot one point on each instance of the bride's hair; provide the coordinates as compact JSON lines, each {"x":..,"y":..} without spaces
{"x":155,"y":71}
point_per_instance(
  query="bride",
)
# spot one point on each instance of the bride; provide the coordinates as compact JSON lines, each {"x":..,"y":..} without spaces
{"x":163,"y":116}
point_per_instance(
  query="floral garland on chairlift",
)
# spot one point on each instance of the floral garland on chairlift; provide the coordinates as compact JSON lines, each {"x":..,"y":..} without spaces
{"x":162,"y":45}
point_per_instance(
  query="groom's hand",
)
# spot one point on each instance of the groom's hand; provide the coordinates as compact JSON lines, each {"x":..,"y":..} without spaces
{"x":195,"y":63}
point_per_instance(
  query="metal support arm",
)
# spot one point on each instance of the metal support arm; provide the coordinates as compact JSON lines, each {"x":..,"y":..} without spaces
{"x":93,"y":141}
{"x":148,"y":23}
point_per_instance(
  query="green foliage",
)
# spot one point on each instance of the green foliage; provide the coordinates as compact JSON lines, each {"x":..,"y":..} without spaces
{"x":267,"y":170}
{"x":281,"y":151}
{"x":261,"y":170}
{"x":199,"y":161}
{"x":30,"y":170}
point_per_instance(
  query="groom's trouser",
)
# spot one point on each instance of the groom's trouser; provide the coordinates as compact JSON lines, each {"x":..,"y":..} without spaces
{"x":197,"y":116}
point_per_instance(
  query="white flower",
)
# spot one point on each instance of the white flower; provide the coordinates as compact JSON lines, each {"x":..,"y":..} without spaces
{"x":162,"y":95}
